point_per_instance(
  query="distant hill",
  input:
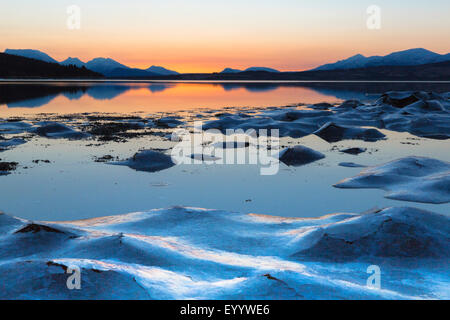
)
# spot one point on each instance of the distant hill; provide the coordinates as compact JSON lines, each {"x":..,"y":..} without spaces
{"x":73,"y":61}
{"x":261,"y":69}
{"x":428,"y":72}
{"x":413,"y":64}
{"x":402,"y":58}
{"x":104,"y":65}
{"x":32,"y":54}
{"x":161,"y":71}
{"x":230,"y":70}
{"x":13,"y":66}
{"x":130,"y":73}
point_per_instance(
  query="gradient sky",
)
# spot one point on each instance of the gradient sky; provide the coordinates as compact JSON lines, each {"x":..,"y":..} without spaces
{"x":209,"y":35}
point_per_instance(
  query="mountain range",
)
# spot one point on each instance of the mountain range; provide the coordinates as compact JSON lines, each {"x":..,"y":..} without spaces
{"x":412,"y":64}
{"x":14,"y":66}
{"x":105,"y":66}
{"x":230,"y":70}
{"x":409,"y":57}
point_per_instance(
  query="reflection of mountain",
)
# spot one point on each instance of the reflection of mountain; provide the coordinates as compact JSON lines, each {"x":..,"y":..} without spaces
{"x":74,"y":95}
{"x":107,"y":92}
{"x":32,"y":103}
{"x":34,"y":95}
{"x":159,"y":87}
{"x":251,"y":87}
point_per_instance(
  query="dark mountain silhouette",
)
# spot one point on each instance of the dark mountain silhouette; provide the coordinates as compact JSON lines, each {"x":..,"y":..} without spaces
{"x":129,"y":73}
{"x":12,"y":66}
{"x":428,"y":72}
{"x":32,"y":54}
{"x":105,"y":66}
{"x":261,"y":69}
{"x":231,"y":70}
{"x":73,"y":61}
{"x":408,"y":65}
{"x":409,"y":57}
{"x":161,"y":71}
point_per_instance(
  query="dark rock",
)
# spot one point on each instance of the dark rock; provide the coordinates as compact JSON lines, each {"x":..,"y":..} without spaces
{"x":333,"y":133}
{"x":148,"y":160}
{"x":354,"y":151}
{"x":299,"y":155}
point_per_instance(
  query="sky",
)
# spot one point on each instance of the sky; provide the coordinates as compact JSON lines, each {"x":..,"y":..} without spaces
{"x":209,"y":35}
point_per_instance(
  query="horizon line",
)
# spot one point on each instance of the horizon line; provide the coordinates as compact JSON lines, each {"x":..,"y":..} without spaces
{"x":84,"y":61}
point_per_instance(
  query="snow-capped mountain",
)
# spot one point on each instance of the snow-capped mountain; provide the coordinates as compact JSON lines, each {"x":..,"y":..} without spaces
{"x":261,"y":69}
{"x":104,"y":65}
{"x":73,"y":61}
{"x":32,"y":54}
{"x":230,"y":70}
{"x":161,"y":71}
{"x":401,"y":58}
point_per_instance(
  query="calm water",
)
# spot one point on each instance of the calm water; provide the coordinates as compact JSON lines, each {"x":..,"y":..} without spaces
{"x":17,"y":99}
{"x":73,"y":186}
{"x":149,"y":97}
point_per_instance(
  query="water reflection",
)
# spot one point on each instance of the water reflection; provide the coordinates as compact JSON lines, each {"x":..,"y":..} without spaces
{"x":160,"y":96}
{"x":107,"y":92}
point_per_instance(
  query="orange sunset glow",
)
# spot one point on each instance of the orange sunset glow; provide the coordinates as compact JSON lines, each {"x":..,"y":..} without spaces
{"x":207,"y":36}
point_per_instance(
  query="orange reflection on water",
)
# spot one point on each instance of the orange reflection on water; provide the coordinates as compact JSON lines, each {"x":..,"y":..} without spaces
{"x":161,"y":97}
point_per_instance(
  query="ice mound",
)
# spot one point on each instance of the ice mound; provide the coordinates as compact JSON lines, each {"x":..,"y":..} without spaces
{"x":299,"y":155}
{"x":14,"y":127}
{"x":420,"y":113}
{"x":58,"y":130}
{"x":168,"y":122}
{"x":301,"y":114}
{"x":400,"y":99}
{"x":322,"y":106}
{"x":351,"y":165}
{"x":415,"y":179}
{"x":147,"y":160}
{"x":7,"y":144}
{"x":332,"y":132}
{"x":394,"y":232}
{"x":290,"y":128}
{"x":191,"y":253}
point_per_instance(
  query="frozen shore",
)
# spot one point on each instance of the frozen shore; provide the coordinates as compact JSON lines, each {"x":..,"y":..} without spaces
{"x":191,"y":253}
{"x":396,"y":143}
